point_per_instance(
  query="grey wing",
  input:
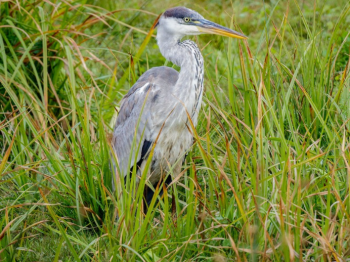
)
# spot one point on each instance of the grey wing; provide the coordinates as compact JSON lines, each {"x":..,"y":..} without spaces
{"x":135,"y":127}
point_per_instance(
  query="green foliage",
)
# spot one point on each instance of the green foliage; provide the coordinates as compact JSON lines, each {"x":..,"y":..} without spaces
{"x":267,"y":178}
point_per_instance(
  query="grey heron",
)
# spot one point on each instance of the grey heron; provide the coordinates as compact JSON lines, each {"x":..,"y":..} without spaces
{"x":155,"y":112}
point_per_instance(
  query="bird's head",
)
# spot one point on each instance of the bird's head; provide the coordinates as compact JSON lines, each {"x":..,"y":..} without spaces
{"x":181,"y":21}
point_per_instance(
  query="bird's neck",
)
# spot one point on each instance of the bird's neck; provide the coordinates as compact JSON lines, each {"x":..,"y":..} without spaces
{"x":186,"y":55}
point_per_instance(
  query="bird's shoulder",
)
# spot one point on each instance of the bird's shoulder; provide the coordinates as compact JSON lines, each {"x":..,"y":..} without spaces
{"x":158,"y":79}
{"x":162,"y":76}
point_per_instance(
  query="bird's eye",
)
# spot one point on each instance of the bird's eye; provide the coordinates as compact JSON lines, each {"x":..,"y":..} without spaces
{"x":187,"y":19}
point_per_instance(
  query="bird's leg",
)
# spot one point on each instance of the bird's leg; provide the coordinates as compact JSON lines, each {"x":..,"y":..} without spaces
{"x":147,"y":195}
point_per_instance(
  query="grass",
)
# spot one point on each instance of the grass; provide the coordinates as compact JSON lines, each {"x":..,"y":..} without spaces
{"x":267,"y":178}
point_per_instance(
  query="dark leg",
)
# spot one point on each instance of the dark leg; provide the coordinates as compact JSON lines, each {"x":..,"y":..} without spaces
{"x":148,"y":192}
{"x":148,"y":195}
{"x":167,"y":182}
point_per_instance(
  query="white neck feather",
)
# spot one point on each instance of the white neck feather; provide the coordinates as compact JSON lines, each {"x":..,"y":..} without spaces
{"x":186,"y":54}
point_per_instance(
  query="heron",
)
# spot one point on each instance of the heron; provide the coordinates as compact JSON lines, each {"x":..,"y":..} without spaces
{"x":161,"y":107}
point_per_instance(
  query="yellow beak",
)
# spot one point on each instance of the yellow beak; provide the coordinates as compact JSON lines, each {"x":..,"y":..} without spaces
{"x":209,"y":27}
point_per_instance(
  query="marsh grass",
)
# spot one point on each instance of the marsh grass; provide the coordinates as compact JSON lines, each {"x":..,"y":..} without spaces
{"x":267,"y":178}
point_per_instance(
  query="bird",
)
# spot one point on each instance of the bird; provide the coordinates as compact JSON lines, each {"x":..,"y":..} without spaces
{"x":157,"y":113}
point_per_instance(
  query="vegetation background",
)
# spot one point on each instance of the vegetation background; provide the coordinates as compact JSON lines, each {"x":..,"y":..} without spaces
{"x":267,"y":178}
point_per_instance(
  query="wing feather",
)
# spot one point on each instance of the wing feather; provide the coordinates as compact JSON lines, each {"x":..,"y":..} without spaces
{"x":135,"y":127}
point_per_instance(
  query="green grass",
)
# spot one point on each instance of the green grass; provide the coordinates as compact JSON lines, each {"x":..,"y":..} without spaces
{"x":267,"y":178}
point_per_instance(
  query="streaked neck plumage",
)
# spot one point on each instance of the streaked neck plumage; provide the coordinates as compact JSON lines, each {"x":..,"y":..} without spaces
{"x":186,"y":55}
